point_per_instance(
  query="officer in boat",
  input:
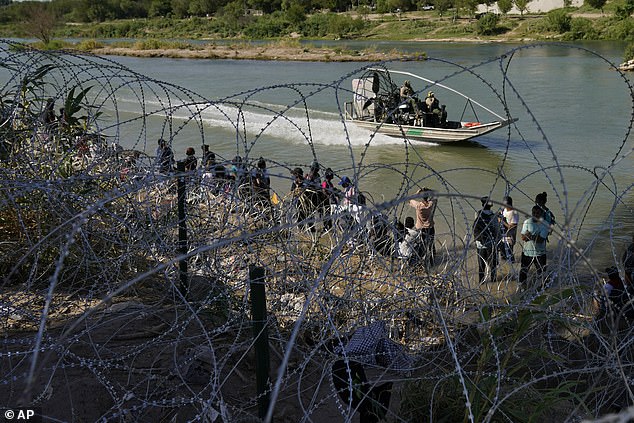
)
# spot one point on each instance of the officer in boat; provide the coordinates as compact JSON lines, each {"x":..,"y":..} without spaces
{"x":408,"y":99}
{"x":435,"y":115}
{"x":406,"y":91}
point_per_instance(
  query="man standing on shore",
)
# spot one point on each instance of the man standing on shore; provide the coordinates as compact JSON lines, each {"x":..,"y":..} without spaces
{"x":486,"y":230}
{"x":534,"y":234}
{"x":164,"y":157}
{"x":425,"y":224}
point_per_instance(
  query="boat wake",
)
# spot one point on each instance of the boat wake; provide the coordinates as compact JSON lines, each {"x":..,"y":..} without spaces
{"x":269,"y":121}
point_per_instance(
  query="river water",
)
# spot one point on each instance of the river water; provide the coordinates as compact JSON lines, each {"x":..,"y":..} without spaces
{"x":571,"y":139}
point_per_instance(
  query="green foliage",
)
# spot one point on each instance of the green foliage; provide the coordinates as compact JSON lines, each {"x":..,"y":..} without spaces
{"x":597,"y":4}
{"x":624,"y":11}
{"x":97,"y":12}
{"x":468,"y":7}
{"x":52,"y":45}
{"x":324,"y":24}
{"x":295,"y":13}
{"x":233,"y":20}
{"x":88,"y":45}
{"x":629,"y":52}
{"x":505,"y":6}
{"x":233,"y":10}
{"x":72,"y":106}
{"x":200,"y":7}
{"x":522,"y":5}
{"x":268,"y":26}
{"x":558,"y":21}
{"x":505,"y":368}
{"x":619,"y":30}
{"x":160,"y":8}
{"x":442,"y":6}
{"x":122,"y":29}
{"x":487,"y":24}
{"x":581,"y":29}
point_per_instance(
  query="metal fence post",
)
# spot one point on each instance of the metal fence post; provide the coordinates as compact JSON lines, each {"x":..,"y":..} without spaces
{"x":261,"y":335}
{"x":182,"y":228}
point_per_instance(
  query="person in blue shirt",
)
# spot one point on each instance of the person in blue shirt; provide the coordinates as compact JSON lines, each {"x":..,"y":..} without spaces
{"x":534,"y":233}
{"x":547,"y":215}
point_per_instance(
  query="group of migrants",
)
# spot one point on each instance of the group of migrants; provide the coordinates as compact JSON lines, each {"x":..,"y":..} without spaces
{"x":495,"y":235}
{"x":254,"y":182}
{"x":497,"y":232}
{"x":317,"y":199}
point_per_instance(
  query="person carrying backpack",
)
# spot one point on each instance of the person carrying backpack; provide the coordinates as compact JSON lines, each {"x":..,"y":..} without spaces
{"x":486,"y":231}
{"x":261,"y":183}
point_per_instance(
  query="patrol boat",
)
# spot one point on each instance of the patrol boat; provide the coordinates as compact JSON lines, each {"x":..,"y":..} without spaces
{"x":378,"y":107}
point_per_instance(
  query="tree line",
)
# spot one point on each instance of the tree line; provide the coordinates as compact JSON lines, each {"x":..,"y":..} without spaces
{"x":264,"y":19}
{"x":86,"y":11}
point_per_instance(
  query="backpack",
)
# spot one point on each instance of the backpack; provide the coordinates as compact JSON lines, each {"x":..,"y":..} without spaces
{"x":361,"y":199}
{"x":484,"y":228}
{"x":259,"y":180}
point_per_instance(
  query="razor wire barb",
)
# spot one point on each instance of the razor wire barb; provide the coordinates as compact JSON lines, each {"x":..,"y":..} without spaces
{"x":95,"y":327}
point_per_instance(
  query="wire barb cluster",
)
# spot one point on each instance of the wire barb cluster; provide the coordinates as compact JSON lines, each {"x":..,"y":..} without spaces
{"x":97,"y":324}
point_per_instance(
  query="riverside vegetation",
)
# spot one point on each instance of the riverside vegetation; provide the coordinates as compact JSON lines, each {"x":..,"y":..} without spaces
{"x":159,"y":23}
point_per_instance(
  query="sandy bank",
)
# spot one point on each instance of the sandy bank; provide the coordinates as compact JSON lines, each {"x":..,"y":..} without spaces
{"x":264,"y":52}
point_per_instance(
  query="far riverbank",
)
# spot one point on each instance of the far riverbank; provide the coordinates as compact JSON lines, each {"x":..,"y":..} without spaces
{"x":271,"y":51}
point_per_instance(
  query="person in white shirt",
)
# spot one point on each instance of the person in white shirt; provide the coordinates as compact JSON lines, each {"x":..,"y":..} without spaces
{"x":510,"y":220}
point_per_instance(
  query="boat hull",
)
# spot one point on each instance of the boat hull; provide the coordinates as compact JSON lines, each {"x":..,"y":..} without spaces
{"x":431,"y":134}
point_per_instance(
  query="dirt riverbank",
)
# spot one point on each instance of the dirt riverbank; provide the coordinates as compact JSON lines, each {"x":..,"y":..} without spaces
{"x":262,"y":52}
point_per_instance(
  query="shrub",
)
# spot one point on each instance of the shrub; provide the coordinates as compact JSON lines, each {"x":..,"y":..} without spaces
{"x":620,"y":30}
{"x":88,"y":45}
{"x":321,"y":25}
{"x":629,"y":52}
{"x":558,"y":21}
{"x":487,"y":24}
{"x":582,"y":29}
{"x":268,"y":26}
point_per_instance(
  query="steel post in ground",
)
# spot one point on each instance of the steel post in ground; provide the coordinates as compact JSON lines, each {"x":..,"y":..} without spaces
{"x":261,"y":341}
{"x":182,"y":228}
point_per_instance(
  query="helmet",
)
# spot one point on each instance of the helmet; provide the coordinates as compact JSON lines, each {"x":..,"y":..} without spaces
{"x":406,"y":83}
{"x":297,"y":172}
{"x":315,"y":165}
{"x":430,"y":94}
